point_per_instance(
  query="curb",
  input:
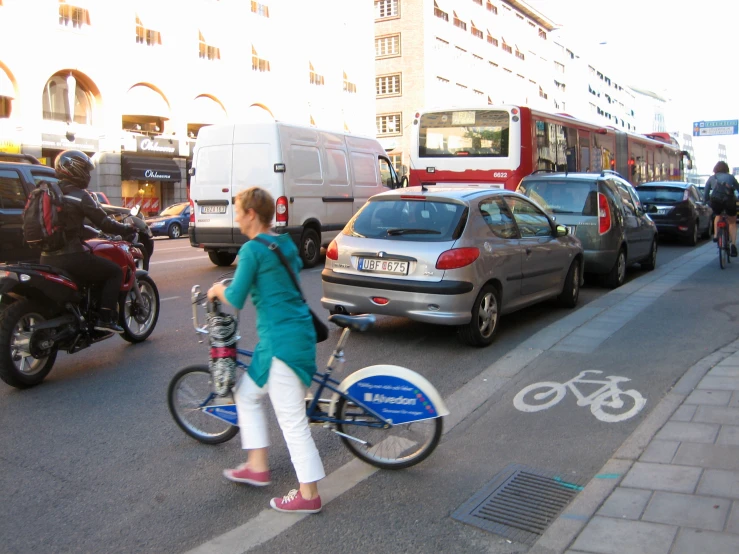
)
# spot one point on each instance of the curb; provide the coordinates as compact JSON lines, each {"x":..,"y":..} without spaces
{"x":565,"y":529}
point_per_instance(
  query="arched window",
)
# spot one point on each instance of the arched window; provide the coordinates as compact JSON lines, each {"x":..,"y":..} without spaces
{"x":67,"y":99}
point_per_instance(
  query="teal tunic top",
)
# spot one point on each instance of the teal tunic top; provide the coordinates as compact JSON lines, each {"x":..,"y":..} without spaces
{"x":284,"y":323}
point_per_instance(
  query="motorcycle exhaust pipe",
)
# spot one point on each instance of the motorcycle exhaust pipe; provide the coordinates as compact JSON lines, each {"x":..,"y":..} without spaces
{"x":56,"y":322}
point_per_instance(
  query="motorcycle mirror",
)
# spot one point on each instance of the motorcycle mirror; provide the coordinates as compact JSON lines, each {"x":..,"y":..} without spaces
{"x":135,"y":211}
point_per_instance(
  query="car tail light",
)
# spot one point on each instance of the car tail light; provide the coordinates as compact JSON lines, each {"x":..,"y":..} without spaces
{"x":457,"y":257}
{"x":192,"y":212}
{"x":281,"y":212}
{"x":332,"y":252}
{"x":604,"y":214}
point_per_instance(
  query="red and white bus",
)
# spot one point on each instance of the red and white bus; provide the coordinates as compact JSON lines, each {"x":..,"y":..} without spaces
{"x":497,"y":146}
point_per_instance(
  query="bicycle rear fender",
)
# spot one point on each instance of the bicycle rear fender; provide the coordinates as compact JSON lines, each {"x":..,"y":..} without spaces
{"x":396,"y":393}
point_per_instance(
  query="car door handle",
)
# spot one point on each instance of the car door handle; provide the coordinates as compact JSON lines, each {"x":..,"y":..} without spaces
{"x":528,"y":251}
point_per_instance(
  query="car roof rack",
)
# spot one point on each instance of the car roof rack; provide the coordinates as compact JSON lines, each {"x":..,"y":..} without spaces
{"x":7,"y":156}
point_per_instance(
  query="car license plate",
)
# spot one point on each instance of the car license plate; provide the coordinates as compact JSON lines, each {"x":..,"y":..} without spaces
{"x":212,"y":209}
{"x":383,"y":266}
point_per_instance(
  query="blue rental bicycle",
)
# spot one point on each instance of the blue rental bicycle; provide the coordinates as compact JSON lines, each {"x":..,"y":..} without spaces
{"x":386,"y":415}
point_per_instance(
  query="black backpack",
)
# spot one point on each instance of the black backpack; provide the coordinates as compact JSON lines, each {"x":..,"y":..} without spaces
{"x":43,"y":217}
{"x":721,"y":191}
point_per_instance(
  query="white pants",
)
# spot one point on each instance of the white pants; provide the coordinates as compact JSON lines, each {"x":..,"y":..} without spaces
{"x":287,"y":394}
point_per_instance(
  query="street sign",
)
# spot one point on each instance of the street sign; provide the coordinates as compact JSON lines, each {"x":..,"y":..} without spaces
{"x":716,"y":128}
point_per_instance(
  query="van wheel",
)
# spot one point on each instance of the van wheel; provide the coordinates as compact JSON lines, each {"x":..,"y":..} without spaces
{"x":310,"y":248}
{"x":221,"y":258}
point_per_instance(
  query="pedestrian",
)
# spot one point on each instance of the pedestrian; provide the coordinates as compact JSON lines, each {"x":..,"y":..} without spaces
{"x":284,"y":359}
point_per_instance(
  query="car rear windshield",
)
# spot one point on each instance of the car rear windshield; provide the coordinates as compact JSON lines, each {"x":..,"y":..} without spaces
{"x":563,"y":196}
{"x":660,"y":195}
{"x":409,"y":220}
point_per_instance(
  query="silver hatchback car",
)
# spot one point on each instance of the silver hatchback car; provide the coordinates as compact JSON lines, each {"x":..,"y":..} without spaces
{"x":451,"y":256}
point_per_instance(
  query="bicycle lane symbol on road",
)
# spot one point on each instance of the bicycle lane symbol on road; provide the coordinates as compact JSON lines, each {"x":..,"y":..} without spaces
{"x":607,"y":403}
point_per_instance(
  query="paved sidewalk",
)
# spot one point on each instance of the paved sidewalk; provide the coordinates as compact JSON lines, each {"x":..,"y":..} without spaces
{"x":673,"y":486}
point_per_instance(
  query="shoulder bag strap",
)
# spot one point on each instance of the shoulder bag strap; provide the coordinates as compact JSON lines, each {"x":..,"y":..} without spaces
{"x":273,"y":246}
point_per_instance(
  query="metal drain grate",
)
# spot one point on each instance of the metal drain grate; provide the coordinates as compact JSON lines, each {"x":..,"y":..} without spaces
{"x":519,"y":503}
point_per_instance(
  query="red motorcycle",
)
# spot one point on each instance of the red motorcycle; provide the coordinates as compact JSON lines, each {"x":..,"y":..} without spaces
{"x":44,"y":310}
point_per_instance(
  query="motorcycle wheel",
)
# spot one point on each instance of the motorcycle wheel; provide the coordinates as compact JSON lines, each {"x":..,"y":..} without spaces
{"x":138,"y":322}
{"x":17,"y":367}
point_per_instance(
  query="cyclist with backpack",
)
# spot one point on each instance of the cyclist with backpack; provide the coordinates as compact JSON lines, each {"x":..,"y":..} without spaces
{"x":70,"y":253}
{"x":719,"y":194}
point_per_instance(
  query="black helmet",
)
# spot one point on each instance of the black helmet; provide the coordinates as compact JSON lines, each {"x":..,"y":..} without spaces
{"x":74,"y":167}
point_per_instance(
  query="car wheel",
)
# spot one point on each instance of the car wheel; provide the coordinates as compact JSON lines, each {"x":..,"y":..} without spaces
{"x":480,"y":331}
{"x":175,"y":231}
{"x":651,"y":262}
{"x":221,"y":259}
{"x":617,"y":275}
{"x":692,"y":239}
{"x":310,"y":248}
{"x":571,"y":289}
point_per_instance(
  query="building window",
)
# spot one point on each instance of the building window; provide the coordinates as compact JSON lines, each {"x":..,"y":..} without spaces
{"x":147,"y":36}
{"x":387,"y":46}
{"x":6,"y":104}
{"x":387,"y":85}
{"x":507,"y":48}
{"x":206,"y":52}
{"x":492,"y":8}
{"x":560,"y":86}
{"x":442,"y":81}
{"x":459,"y":23}
{"x":490,"y":101}
{"x":461,"y":86}
{"x":478,"y":2}
{"x":315,"y":78}
{"x":388,"y":124}
{"x":475,"y":31}
{"x":59,"y":91}
{"x":491,"y":40}
{"x":479,"y":92}
{"x":520,"y":55}
{"x":440,"y":14}
{"x":259,"y":9}
{"x":543,"y":94}
{"x":397,"y":161}
{"x":542,"y":34}
{"x":257,"y":63}
{"x":72,"y":16}
{"x":519,"y":16}
{"x":349,"y":87}
{"x":493,"y":65}
{"x":386,"y":8}
{"x":559,"y":68}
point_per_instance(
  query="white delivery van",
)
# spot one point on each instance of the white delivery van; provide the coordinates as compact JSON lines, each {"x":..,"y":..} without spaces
{"x":318,"y":179}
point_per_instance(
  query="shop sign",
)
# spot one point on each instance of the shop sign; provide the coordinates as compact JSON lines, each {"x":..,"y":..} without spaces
{"x":60,"y":142}
{"x":10,"y":146}
{"x":160,"y":146}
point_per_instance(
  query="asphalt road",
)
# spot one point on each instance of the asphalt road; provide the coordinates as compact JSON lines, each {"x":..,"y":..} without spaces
{"x":92,"y":462}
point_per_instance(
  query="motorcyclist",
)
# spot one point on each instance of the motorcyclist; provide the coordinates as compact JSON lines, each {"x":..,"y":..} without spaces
{"x":73,"y":171}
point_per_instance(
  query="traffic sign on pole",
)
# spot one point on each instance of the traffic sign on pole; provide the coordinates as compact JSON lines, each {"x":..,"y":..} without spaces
{"x":716,"y":128}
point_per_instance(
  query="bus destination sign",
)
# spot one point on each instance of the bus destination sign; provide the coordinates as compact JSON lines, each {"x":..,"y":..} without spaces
{"x":716,"y":128}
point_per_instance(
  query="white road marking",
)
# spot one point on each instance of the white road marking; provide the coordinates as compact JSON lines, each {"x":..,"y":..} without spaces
{"x":202,"y":258}
{"x":164,"y":249}
{"x":169,"y":298}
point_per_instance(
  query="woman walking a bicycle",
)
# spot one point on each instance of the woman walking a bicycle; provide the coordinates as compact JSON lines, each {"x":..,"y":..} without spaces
{"x":719,"y":194}
{"x":284,"y":360}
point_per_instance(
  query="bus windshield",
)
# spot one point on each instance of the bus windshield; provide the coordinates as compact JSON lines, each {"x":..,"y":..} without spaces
{"x":474,"y":133}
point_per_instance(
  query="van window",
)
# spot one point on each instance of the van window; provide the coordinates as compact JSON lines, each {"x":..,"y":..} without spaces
{"x":305,"y":165}
{"x":363,"y":165}
{"x":386,"y":174}
{"x":562,"y":196}
{"x":213,"y":165}
{"x":337,"y":172}
{"x":407,"y":220}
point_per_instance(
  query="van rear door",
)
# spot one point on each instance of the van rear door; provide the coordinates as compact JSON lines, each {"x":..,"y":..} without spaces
{"x":210,"y":188}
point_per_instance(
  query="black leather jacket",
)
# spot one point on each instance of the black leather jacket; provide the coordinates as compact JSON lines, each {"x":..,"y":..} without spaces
{"x":78,"y":205}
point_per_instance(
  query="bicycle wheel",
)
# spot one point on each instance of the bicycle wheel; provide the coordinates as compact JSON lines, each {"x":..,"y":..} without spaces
{"x":614,"y":407}
{"x":546,"y":394}
{"x":723,"y":248}
{"x":396,"y":447}
{"x":187,"y":392}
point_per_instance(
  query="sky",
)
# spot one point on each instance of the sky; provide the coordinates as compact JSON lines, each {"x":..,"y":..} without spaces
{"x":685,"y":51}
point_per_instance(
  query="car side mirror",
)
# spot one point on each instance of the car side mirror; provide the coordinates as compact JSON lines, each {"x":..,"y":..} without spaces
{"x":135,"y":211}
{"x":562,"y":231}
{"x":403,"y":182}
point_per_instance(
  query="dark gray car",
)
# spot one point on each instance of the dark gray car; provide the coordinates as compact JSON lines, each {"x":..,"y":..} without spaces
{"x":451,"y":256}
{"x":605,"y":213}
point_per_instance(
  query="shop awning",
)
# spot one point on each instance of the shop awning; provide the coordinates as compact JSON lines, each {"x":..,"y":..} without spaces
{"x":142,"y":168}
{"x":6,"y":86}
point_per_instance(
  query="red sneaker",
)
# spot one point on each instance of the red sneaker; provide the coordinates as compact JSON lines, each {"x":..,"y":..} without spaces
{"x":294,"y":503}
{"x":243,"y":474}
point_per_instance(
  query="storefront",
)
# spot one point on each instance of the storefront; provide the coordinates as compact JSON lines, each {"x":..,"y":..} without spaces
{"x":52,"y":145}
{"x":152,"y":177}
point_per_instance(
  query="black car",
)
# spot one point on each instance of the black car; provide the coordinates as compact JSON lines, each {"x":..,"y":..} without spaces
{"x":677,"y":208}
{"x":19,"y":175}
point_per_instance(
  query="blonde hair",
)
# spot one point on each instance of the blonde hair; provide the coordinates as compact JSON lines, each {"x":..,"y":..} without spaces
{"x":260,"y":201}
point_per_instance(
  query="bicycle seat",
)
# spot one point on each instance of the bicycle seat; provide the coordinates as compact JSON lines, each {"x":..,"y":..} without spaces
{"x":353,"y":322}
